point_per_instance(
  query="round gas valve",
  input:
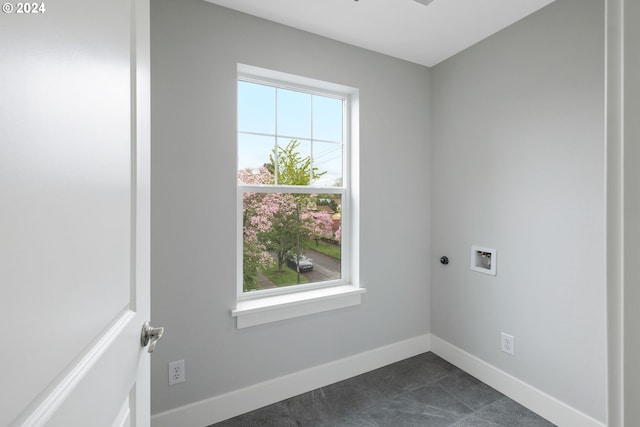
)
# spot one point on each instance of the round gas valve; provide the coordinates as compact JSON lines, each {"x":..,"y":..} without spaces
{"x":444,"y":260}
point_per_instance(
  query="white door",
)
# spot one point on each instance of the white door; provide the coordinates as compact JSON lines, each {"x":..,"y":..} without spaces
{"x":74,"y":213}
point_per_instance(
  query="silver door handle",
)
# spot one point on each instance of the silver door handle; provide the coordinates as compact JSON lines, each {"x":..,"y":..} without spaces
{"x":150,"y":335}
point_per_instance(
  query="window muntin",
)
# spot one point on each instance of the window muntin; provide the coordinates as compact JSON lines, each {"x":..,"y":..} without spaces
{"x":292,"y":157}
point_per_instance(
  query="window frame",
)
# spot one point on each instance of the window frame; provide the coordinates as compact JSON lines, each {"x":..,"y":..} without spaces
{"x":344,"y":190}
{"x":265,"y":306}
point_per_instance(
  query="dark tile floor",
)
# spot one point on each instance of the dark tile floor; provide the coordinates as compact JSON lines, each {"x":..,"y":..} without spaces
{"x":424,"y":390}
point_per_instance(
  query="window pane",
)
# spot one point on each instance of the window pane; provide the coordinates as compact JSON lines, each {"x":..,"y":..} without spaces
{"x":256,"y":108}
{"x":294,"y":162}
{"x":254,"y":151}
{"x":327,"y":157}
{"x":294,"y":114}
{"x":290,"y":239}
{"x":327,"y":118}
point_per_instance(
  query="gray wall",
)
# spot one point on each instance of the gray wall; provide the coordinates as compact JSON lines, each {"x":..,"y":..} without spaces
{"x":518,"y":165}
{"x":195,"y":49}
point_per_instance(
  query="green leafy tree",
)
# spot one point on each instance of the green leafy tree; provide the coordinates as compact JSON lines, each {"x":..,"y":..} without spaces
{"x":291,"y":226}
{"x":292,"y":168}
{"x":288,"y":230}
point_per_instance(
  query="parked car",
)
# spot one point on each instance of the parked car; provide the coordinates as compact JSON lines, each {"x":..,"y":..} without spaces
{"x":306,"y":264}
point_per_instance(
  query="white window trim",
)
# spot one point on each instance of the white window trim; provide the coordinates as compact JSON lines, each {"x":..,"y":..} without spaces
{"x":259,"y":311}
{"x":260,"y":307}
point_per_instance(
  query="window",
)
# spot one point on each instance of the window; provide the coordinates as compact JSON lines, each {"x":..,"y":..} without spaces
{"x":293,"y":161}
{"x":297,"y":197}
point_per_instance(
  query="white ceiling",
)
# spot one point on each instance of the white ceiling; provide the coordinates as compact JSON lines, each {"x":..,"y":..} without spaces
{"x":401,"y":28}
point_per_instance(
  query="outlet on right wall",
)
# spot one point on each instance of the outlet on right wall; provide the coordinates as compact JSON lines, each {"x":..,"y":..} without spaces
{"x":518,"y":165}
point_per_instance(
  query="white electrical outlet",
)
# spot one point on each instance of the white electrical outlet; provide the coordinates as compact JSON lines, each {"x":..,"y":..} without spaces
{"x":176,"y":372}
{"x":507,"y":344}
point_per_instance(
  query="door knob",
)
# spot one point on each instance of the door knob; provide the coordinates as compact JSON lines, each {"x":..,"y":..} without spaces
{"x":150,"y":335}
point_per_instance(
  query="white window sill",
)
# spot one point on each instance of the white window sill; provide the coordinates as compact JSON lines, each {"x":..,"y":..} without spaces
{"x":280,"y":307}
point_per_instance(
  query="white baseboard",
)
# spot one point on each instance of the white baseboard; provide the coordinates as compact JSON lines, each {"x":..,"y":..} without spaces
{"x":541,"y":403}
{"x":219,"y":408}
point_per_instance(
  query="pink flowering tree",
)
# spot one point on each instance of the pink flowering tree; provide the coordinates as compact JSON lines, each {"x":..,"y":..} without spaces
{"x":320,"y":224}
{"x":254,"y":253}
{"x":288,"y":231}
{"x":277,"y":226}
